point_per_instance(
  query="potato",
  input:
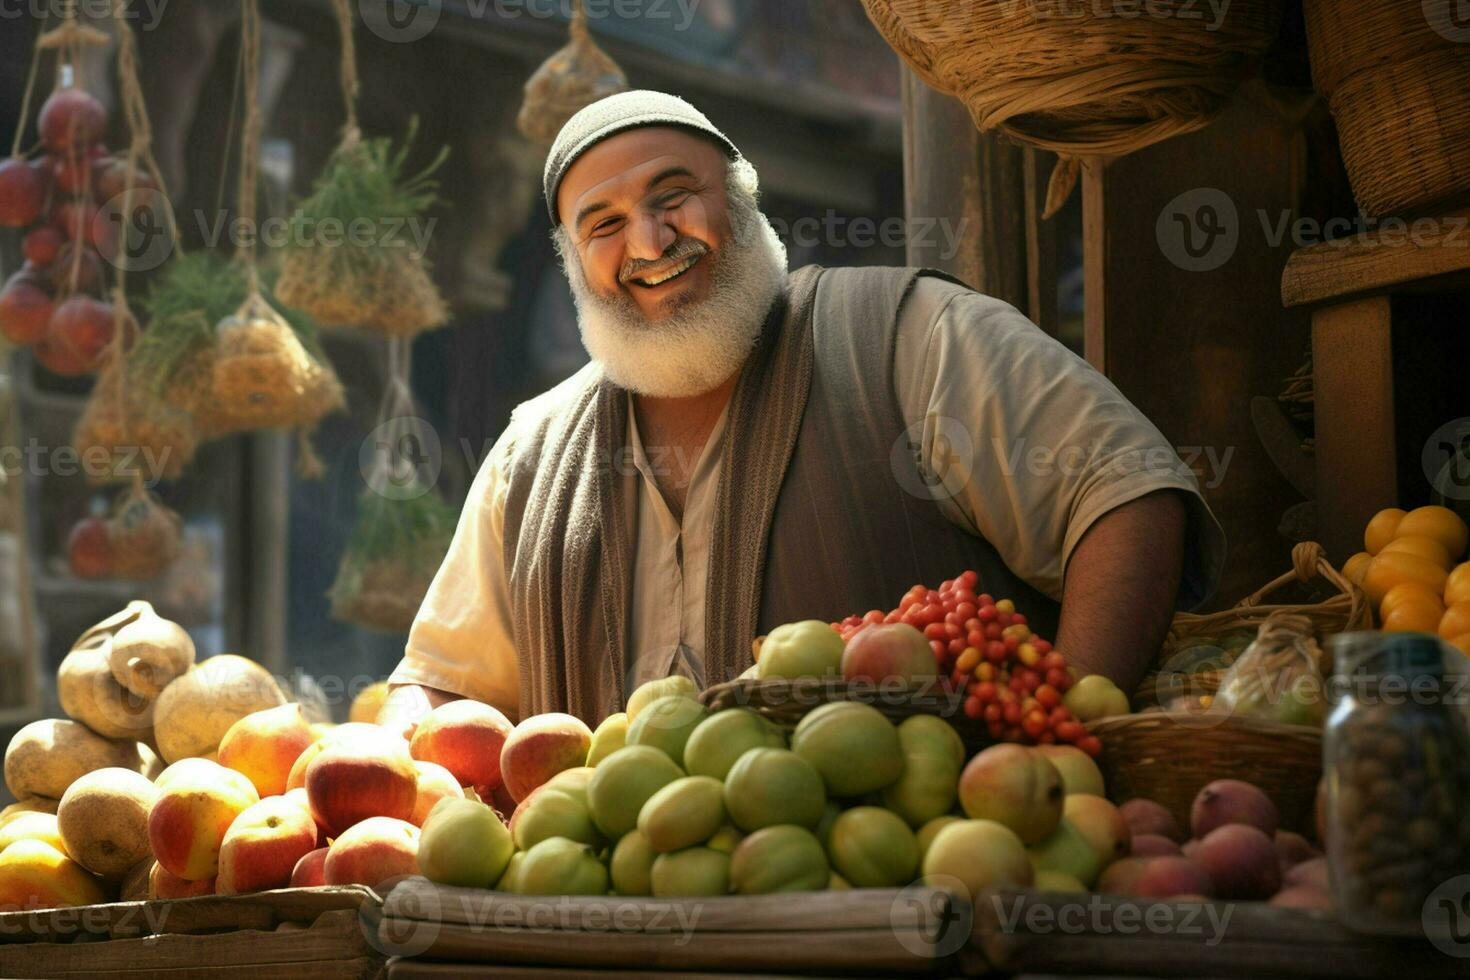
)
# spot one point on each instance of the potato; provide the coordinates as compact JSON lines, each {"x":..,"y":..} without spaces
{"x":47,"y":756}
{"x":195,"y":710}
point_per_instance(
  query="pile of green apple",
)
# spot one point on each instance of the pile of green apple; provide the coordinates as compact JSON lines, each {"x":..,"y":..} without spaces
{"x":672,"y":800}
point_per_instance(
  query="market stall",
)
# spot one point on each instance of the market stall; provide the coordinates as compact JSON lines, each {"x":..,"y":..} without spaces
{"x":930,"y":788}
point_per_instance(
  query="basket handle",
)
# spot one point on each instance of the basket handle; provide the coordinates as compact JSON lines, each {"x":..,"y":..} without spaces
{"x":1308,"y":561}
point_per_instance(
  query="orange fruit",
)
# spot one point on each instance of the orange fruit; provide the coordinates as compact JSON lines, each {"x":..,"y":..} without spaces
{"x":1457,"y":586}
{"x":1461,"y":643}
{"x":1430,"y":549}
{"x":1408,"y":594}
{"x":1394,"y":568}
{"x":1417,"y":615}
{"x":1440,"y":523}
{"x":1381,"y":529}
{"x":1456,"y":620}
{"x":1356,"y":567}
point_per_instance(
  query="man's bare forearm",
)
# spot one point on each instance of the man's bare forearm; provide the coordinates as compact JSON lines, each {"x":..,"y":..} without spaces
{"x":1121,"y":587}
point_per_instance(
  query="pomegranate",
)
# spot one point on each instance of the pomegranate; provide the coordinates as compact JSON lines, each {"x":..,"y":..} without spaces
{"x":57,"y":358}
{"x":42,"y":244}
{"x":1227,"y":801}
{"x":72,"y":172}
{"x":78,"y":219}
{"x":22,"y":193}
{"x":85,"y":277}
{"x":110,"y":178}
{"x":84,"y":326}
{"x":25,"y":312}
{"x":71,"y":118}
{"x":89,"y":548}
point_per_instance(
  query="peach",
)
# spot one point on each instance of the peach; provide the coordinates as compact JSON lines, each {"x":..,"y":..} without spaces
{"x":1100,"y":824}
{"x":1153,"y":845}
{"x":189,"y":819}
{"x":1079,"y":773}
{"x":163,"y":884}
{"x":465,"y":737}
{"x":265,"y":745}
{"x":1227,"y":801}
{"x":1241,"y":861}
{"x":890,"y":653}
{"x":1312,"y":872}
{"x":1015,"y":786}
{"x":1293,"y":848}
{"x":311,"y":869}
{"x":35,"y":875}
{"x":1148,"y":817}
{"x":262,"y":846}
{"x":296,"y":778}
{"x":539,"y":748}
{"x":368,"y":703}
{"x":372,"y":851}
{"x":434,"y":784}
{"x":1120,"y":876}
{"x":352,"y":780}
{"x":299,"y":796}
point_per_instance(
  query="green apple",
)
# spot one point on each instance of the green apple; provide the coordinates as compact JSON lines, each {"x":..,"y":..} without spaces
{"x":810,"y":648}
{"x":1094,"y":697}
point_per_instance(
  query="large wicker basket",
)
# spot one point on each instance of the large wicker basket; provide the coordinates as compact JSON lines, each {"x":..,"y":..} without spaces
{"x":1168,"y":757}
{"x":1346,"y":609}
{"x":786,"y":702}
{"x":1396,"y":74}
{"x":1078,"y":79}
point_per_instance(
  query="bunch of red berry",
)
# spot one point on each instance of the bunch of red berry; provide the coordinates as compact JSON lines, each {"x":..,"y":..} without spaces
{"x":1014,"y":679}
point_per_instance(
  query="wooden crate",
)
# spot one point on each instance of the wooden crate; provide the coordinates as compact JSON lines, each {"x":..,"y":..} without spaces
{"x":840,"y":933}
{"x":1257,"y":940}
{"x":315,"y":933}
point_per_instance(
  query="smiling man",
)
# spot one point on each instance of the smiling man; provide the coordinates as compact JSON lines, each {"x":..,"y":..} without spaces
{"x":750,"y":446}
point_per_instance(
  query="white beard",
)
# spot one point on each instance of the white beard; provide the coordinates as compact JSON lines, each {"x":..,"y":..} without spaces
{"x":697,"y":347}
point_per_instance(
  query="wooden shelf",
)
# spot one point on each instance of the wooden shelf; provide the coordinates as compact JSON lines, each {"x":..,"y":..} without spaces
{"x":1410,"y":260}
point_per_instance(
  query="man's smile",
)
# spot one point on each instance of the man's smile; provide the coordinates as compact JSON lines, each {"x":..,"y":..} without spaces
{"x":669,"y":274}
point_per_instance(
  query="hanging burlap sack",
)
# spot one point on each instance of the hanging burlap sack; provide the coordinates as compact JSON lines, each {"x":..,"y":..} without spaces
{"x":264,"y":377}
{"x":141,"y":433}
{"x":570,"y":80}
{"x":144,"y":535}
{"x":396,"y":548}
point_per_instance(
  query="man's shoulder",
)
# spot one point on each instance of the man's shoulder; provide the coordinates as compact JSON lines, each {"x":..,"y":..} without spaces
{"x":533,"y":418}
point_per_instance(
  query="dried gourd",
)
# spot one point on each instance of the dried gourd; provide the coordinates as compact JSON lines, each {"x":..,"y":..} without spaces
{"x":570,"y":80}
{"x":149,"y":652}
{"x":264,"y":378}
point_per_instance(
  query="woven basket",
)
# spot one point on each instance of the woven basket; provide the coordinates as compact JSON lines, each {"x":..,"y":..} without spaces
{"x":786,"y":702}
{"x":1347,"y":609}
{"x":1077,"y":79}
{"x":1397,"y":77}
{"x":1169,"y":757}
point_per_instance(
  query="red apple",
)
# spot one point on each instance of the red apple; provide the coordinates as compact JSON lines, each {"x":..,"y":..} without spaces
{"x":42,"y":244}
{"x":887,"y":652}
{"x":373,"y":851}
{"x":22,"y":193}
{"x":350,"y":781}
{"x":25,"y":313}
{"x":71,"y":117}
{"x":89,"y":548}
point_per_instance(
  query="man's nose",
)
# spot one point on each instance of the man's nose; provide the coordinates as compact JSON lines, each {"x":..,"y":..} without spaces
{"x":649,"y":236}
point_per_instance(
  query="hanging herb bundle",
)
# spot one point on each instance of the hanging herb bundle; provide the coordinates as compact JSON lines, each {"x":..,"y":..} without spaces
{"x":370,"y":274}
{"x":403,"y":528}
{"x":381,"y":284}
{"x":142,"y":435}
{"x":175,"y":357}
{"x":570,"y":80}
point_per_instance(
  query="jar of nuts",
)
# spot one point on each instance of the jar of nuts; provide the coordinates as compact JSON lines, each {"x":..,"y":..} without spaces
{"x":1397,"y":758}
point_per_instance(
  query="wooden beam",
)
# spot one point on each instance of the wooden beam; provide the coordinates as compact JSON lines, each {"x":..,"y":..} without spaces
{"x":974,"y":181}
{"x":1423,"y":252}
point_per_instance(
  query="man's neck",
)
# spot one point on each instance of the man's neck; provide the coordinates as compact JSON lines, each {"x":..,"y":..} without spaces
{"x":675,"y":430}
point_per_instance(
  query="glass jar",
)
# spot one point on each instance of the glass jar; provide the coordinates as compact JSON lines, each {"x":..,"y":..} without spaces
{"x":1397,"y":759}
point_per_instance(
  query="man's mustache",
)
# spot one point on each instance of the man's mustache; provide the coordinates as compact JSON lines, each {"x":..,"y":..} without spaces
{"x":681,"y":249}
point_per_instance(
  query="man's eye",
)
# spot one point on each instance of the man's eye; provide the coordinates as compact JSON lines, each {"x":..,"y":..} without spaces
{"x":673,"y":200}
{"x":603,"y":227}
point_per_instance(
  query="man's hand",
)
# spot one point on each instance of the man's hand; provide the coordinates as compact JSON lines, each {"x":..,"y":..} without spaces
{"x":1121,"y":586}
{"x":407,"y":704}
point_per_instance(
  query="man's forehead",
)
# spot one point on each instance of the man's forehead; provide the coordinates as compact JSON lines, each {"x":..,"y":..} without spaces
{"x":632,"y":157}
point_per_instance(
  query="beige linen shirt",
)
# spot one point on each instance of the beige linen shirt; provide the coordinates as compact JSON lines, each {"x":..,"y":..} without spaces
{"x":1032,"y":444}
